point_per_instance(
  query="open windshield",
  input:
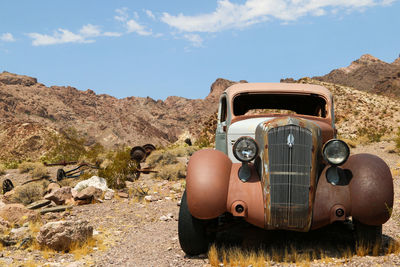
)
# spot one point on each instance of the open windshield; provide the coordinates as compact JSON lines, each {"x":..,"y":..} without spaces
{"x":304,"y":104}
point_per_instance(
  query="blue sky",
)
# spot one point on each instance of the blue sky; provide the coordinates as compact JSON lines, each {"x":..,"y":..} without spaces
{"x":162,"y":48}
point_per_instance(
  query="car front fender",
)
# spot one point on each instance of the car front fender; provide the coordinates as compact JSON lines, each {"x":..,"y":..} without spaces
{"x":207,"y":183}
{"x":367,"y":196}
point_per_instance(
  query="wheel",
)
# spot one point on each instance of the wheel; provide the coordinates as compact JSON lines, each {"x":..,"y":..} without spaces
{"x":367,"y":235}
{"x":61,"y":174}
{"x":149,"y":148}
{"x":193,"y":236}
{"x":138,"y":154}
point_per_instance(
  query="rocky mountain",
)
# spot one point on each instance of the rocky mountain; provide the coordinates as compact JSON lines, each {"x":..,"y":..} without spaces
{"x":368,"y":73}
{"x":29,"y":111}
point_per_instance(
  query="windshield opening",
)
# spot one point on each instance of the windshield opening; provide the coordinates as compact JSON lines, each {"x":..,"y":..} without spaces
{"x":306,"y":104}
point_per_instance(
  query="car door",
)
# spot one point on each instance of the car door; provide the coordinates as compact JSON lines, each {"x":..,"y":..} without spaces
{"x":220,"y":136}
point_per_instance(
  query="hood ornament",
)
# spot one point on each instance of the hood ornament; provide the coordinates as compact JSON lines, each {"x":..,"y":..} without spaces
{"x":290,"y":140}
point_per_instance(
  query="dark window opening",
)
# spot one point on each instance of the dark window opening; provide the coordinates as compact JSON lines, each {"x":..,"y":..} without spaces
{"x":246,"y":104}
{"x":223,"y":110}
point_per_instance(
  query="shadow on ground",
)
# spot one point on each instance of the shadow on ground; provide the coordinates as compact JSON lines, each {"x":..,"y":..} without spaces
{"x":333,"y":241}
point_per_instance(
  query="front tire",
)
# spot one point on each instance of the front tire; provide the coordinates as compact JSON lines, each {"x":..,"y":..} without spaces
{"x":193,"y":236}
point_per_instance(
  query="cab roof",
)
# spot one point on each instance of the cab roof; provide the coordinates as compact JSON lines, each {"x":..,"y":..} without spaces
{"x":276,"y":88}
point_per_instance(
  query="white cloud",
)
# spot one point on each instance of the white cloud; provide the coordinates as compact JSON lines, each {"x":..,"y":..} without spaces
{"x":62,"y":36}
{"x":7,"y":37}
{"x":131,"y":25}
{"x":150,"y":14}
{"x":90,"y":30}
{"x":194,"y":39}
{"x":230,"y":15}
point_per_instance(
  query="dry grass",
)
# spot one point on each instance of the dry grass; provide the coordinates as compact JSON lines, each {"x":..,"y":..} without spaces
{"x":235,"y":256}
{"x":172,"y":172}
{"x":28,"y":193}
{"x":36,"y":169}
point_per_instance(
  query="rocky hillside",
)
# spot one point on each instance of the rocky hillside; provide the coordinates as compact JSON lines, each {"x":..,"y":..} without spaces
{"x":361,"y":115}
{"x":29,"y":111}
{"x":369,"y":74}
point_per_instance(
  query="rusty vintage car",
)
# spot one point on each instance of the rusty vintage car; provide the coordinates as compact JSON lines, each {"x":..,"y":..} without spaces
{"x":278,"y":165}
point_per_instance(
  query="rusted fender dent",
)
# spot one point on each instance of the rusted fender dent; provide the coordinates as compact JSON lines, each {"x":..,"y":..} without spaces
{"x":368,"y":197}
{"x":207,"y":183}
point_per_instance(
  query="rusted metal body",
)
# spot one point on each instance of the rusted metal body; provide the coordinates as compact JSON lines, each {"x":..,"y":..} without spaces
{"x":288,"y":188}
{"x":61,"y":163}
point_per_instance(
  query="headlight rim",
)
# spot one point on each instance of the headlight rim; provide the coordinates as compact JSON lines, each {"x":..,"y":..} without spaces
{"x":237,"y":142}
{"x":331,"y":141}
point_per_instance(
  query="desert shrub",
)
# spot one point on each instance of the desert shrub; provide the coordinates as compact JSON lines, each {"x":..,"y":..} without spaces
{"x":172,"y":171}
{"x":11,"y":164}
{"x":39,"y":171}
{"x":67,"y":145}
{"x":184,"y":151}
{"x":2,"y":169}
{"x":120,"y":169}
{"x":28,"y":193}
{"x":397,"y":139}
{"x":203,"y":141}
{"x":25,"y":167}
{"x":161,"y":157}
{"x":94,"y":154}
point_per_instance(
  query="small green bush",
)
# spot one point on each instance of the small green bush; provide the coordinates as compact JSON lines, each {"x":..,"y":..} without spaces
{"x":67,"y":145}
{"x":28,"y":193}
{"x":120,"y":169}
{"x":2,"y":169}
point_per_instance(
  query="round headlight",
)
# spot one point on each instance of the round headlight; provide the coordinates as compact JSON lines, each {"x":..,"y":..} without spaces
{"x":336,"y":152}
{"x":245,"y":149}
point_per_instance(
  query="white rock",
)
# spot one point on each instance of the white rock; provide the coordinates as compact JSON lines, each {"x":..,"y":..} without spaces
{"x":164,"y":218}
{"x":94,"y":181}
{"x":170,"y":215}
{"x":168,"y":198}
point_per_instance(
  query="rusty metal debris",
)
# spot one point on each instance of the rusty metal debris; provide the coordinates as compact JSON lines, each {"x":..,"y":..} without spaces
{"x":140,"y":153}
{"x":7,"y":186}
{"x":74,"y":173}
{"x":61,"y":163}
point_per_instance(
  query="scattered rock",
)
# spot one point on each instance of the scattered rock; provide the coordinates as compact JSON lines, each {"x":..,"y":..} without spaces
{"x":19,"y":233}
{"x":150,"y":198}
{"x":109,"y":195}
{"x":60,"y":195}
{"x":17,"y":213}
{"x":62,"y":234}
{"x":38,"y":204}
{"x":4,"y":225}
{"x":94,"y":181}
{"x":123,"y":195}
{"x":177,"y":187}
{"x":90,"y":193}
{"x":55,"y":209}
{"x":164,"y":218}
{"x":8,"y":196}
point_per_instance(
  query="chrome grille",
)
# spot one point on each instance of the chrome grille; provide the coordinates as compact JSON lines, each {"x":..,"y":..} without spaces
{"x":289,"y":156}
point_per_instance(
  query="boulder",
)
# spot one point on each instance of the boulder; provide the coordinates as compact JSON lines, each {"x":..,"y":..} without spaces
{"x":123,"y":195}
{"x":94,"y":181}
{"x":52,"y":187}
{"x":59,"y":196}
{"x":90,"y":193}
{"x":62,"y":235}
{"x":17,"y":213}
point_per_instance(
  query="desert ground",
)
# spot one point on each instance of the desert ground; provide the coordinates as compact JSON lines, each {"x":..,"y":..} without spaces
{"x":139,"y":232}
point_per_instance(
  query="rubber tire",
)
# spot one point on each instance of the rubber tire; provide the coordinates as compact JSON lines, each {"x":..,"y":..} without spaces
{"x":367,"y":235}
{"x":61,"y":174}
{"x":192,"y":232}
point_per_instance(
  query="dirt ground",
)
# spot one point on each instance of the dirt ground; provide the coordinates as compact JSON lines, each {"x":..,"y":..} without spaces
{"x":140,"y":233}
